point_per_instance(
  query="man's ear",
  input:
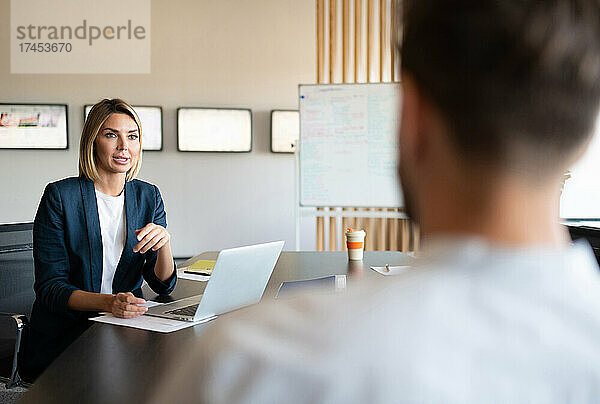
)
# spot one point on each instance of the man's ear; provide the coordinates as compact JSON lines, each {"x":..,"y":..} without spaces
{"x":413,"y":138}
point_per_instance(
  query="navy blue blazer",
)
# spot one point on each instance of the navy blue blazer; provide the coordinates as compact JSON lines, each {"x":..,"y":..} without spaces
{"x":67,"y":251}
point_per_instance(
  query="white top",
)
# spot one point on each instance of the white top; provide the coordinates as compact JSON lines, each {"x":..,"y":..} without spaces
{"x":472,"y":323}
{"x":111,"y":212}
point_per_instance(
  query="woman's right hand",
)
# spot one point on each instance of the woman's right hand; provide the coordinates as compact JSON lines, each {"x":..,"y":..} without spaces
{"x":126,"y":305}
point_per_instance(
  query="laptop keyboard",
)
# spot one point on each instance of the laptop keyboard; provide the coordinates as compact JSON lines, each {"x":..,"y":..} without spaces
{"x":188,"y":311}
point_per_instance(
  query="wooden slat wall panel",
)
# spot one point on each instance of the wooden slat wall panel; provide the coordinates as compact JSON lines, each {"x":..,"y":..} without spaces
{"x":320,"y":41}
{"x":333,"y":222}
{"x":346,"y":41}
{"x":355,"y":43}
{"x":392,"y":241}
{"x":371,"y":233}
{"x":373,"y":36}
{"x":416,"y":237}
{"x":335,"y":66}
{"x":320,"y":232}
{"x":333,"y":41}
{"x":394,"y":57}
{"x":367,"y":40}
{"x":321,"y":78}
{"x":346,"y":222}
{"x":385,"y":48}
{"x":405,"y":235}
{"x":381,"y":233}
{"x":360,"y":223}
{"x":360,"y":57}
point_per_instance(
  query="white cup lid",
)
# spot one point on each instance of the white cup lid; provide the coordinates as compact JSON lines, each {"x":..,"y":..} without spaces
{"x":358,"y":233}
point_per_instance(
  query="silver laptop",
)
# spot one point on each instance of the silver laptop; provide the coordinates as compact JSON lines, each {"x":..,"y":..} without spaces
{"x":238,"y":279}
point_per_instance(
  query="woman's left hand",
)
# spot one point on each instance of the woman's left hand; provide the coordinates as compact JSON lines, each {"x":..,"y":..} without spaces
{"x":151,"y":236}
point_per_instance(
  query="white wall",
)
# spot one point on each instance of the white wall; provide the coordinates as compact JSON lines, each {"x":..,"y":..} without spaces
{"x":223,"y":53}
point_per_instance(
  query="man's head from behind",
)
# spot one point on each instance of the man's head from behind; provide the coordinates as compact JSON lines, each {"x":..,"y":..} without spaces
{"x":495,"y":88}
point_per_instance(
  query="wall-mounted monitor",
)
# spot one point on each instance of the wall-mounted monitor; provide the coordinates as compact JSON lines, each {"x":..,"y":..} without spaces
{"x":285,"y":129}
{"x":151,"y":120}
{"x":214,"y":129}
{"x":33,"y":126}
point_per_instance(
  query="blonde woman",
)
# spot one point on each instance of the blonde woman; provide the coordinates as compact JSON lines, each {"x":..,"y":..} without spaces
{"x":96,"y":237}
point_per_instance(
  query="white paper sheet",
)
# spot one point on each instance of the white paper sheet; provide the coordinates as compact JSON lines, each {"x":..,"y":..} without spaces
{"x":393,"y":270}
{"x":149,"y":303}
{"x":192,"y":277}
{"x":150,"y":323}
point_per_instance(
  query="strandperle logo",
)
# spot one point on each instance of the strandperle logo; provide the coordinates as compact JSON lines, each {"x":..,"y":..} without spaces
{"x":84,"y":31}
{"x":75,"y":36}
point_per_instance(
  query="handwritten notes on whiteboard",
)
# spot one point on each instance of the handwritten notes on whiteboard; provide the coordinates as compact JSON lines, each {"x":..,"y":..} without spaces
{"x":348,"y":145}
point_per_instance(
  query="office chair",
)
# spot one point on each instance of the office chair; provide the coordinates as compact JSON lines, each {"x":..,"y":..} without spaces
{"x":590,"y":233}
{"x":16,"y":295}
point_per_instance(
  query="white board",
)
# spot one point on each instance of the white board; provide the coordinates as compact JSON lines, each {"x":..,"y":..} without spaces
{"x":348,"y":145}
{"x":581,"y":195}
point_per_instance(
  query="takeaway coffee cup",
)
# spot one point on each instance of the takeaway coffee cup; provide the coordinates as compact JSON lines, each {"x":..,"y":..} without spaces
{"x":355,"y":241}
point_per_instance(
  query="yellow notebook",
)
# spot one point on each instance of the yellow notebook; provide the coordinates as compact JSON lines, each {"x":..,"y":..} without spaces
{"x":201,"y":267}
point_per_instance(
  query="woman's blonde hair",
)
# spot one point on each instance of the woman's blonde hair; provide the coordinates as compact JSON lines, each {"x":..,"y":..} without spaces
{"x":94,"y":121}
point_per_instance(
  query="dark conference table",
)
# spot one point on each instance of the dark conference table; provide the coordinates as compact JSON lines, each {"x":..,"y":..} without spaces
{"x":113,"y":364}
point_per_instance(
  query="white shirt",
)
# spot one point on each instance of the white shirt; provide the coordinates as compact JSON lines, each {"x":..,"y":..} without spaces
{"x":472,"y":323}
{"x":111,"y":212}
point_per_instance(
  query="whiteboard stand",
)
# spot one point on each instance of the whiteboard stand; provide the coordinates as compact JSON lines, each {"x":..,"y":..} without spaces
{"x":305,"y":211}
{"x":297,"y":194}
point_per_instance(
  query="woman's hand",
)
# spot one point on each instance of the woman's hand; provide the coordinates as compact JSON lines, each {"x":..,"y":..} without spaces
{"x":126,"y":305}
{"x":155,"y":237}
{"x":151,"y":236}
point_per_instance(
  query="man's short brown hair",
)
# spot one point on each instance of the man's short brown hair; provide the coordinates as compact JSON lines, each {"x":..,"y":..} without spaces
{"x":517,"y":81}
